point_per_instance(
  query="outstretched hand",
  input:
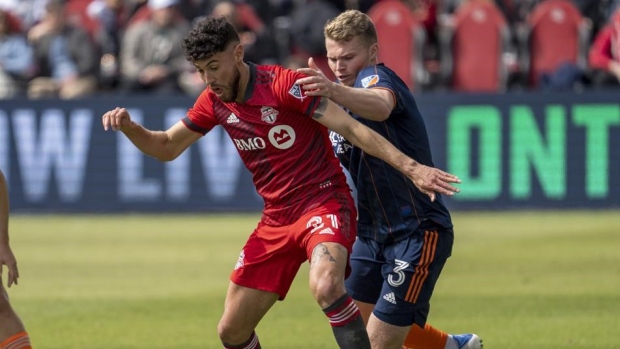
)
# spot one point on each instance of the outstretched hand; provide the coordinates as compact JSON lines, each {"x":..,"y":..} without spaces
{"x":8,"y":258}
{"x":431,"y":181}
{"x":316,"y":84}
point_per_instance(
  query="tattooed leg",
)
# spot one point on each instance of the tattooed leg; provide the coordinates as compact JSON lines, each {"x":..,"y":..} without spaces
{"x":327,"y":266}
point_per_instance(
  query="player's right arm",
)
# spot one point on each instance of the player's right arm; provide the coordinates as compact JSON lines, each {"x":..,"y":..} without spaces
{"x":162,"y":145}
{"x":374,"y":104}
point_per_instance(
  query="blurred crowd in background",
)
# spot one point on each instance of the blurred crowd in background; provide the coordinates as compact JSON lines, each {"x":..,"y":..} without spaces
{"x":75,"y":48}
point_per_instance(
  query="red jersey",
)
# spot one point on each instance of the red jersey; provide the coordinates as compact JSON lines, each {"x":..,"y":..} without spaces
{"x":288,"y":153}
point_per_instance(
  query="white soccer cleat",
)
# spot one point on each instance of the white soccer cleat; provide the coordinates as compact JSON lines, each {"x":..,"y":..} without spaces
{"x":467,"y":341}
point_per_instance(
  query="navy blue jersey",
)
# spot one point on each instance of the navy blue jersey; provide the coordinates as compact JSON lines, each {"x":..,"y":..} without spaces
{"x":390,"y":207}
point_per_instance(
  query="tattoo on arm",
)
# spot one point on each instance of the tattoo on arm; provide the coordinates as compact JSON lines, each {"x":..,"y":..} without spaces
{"x":321,"y":108}
{"x":321,"y":252}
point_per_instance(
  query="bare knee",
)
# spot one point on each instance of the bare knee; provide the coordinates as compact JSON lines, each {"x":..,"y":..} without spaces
{"x":327,"y":290}
{"x":327,"y":267}
{"x":230,"y":334}
{"x":243,"y":310}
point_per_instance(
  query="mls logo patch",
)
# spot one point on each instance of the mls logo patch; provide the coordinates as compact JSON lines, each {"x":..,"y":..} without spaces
{"x":370,"y":80}
{"x":268,"y":114}
{"x":296,"y":92}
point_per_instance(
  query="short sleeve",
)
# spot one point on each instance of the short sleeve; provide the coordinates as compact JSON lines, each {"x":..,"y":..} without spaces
{"x":377,"y":77}
{"x":200,"y":118}
{"x":374,"y":77}
{"x":291,"y":95}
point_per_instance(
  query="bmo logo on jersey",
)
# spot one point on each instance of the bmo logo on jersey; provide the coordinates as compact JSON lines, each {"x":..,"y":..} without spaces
{"x":281,"y":137}
{"x":250,"y":143}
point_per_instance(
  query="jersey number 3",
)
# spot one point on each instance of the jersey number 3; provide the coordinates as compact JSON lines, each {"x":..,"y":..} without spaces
{"x":398,"y":275}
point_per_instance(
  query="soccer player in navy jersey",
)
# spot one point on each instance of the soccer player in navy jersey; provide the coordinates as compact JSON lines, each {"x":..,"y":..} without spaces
{"x":404,"y":236}
{"x":282,"y":137}
{"x":13,"y":334}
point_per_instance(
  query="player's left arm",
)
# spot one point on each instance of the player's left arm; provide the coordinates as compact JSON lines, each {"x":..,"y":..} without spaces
{"x":428,"y":179}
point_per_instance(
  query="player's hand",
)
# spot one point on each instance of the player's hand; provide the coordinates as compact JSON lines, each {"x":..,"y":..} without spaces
{"x":431,"y":180}
{"x":8,"y":258}
{"x":316,"y":84}
{"x":116,"y":119}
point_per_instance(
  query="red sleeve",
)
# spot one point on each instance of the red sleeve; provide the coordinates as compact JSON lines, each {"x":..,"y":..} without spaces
{"x":291,"y":95}
{"x":200,"y":118}
{"x":600,"y":51}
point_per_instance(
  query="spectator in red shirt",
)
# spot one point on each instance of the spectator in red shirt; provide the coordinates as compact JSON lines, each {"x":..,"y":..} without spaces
{"x":604,"y":55}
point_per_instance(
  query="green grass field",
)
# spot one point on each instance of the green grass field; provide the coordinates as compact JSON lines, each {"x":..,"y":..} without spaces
{"x":547,"y":280}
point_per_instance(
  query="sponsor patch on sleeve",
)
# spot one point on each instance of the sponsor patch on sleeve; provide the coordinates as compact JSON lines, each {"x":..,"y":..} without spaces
{"x":370,"y":80}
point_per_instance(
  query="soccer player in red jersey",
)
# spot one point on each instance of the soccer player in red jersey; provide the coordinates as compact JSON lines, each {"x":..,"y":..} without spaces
{"x":12,"y":331}
{"x":282,"y":137}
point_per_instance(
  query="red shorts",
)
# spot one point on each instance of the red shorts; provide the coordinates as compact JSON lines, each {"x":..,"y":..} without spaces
{"x":272,"y":255}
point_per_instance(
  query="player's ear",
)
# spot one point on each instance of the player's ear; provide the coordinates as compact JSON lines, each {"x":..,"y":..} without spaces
{"x":374,"y":51}
{"x":239,"y":53}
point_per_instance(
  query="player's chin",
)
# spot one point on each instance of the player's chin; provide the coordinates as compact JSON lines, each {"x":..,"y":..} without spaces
{"x":347,"y":81}
{"x":225,"y":96}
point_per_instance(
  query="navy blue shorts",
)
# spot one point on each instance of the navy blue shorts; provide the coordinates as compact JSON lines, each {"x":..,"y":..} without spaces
{"x":399,"y":277}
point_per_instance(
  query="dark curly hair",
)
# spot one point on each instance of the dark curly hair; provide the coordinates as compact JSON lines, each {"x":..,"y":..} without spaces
{"x":211,"y":35}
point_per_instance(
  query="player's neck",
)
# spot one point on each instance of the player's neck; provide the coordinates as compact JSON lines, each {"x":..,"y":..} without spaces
{"x":244,"y":71}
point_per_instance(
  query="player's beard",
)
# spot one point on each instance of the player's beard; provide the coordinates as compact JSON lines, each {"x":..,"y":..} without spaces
{"x":234,"y":88}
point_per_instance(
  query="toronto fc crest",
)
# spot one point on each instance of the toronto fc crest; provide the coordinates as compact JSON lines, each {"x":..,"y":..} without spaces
{"x":268,"y":114}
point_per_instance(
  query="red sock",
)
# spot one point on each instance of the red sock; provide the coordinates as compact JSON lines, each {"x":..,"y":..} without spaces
{"x":342,"y":312}
{"x":347,"y":324}
{"x":17,"y":341}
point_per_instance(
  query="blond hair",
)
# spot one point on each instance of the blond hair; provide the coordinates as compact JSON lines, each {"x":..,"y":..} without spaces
{"x":350,"y":24}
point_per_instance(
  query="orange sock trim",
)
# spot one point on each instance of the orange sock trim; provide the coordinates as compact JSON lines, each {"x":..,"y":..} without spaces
{"x":17,"y":341}
{"x":426,"y":338}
